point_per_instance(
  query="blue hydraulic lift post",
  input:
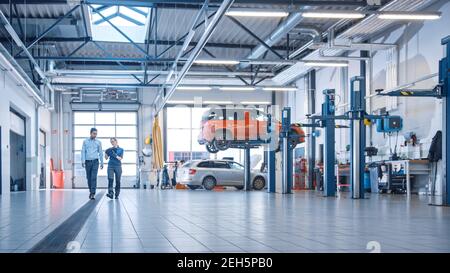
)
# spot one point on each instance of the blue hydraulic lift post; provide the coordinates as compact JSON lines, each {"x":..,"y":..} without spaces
{"x":357,"y":136}
{"x":444,"y":80}
{"x":358,"y":131}
{"x":270,"y":156}
{"x":328,"y":113}
{"x":311,"y":140}
{"x":247,"y":171}
{"x":287,"y":151}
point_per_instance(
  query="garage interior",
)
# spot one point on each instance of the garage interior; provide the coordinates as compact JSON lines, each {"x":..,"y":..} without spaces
{"x":247,"y":126}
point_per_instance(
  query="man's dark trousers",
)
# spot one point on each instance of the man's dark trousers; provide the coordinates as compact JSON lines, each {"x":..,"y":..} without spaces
{"x":91,"y":174}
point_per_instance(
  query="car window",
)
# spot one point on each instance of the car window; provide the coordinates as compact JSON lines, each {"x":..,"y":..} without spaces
{"x":221,"y":165}
{"x":236,"y":166}
{"x":204,"y":164}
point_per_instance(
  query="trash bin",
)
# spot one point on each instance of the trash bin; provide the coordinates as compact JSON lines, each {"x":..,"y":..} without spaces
{"x":58,"y":179}
{"x":373,"y":170}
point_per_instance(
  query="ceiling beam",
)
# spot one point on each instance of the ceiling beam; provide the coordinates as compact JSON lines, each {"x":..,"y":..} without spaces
{"x":158,"y":42}
{"x":151,"y":3}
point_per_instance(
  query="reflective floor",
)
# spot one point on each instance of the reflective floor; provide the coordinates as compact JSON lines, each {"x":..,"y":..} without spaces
{"x":229,"y":221}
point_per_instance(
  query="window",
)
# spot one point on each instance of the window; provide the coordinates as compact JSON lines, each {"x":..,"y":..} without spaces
{"x":122,"y":125}
{"x":183,"y":127}
{"x":205,"y":164}
{"x":221,"y":165}
{"x":132,"y":21}
{"x":236,"y":166}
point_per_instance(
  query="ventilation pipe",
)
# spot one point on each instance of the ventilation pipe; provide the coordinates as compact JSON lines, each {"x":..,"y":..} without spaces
{"x":313,"y":32}
{"x":280,"y":32}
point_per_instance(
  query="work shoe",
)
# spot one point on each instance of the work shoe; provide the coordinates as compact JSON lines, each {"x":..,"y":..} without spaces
{"x":109,"y":195}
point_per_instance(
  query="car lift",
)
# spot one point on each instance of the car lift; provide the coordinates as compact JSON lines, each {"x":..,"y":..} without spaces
{"x":441,"y":91}
{"x":356,"y":115}
{"x":286,"y":150}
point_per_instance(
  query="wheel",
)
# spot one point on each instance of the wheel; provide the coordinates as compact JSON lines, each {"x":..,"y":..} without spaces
{"x":259,"y":183}
{"x":239,"y":187}
{"x":209,"y":183}
{"x":210,"y":147}
{"x":193,"y":187}
{"x":222,"y":142}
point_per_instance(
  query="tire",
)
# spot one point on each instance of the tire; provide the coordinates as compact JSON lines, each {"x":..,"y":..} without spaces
{"x":210,"y":147}
{"x":209,"y":183}
{"x":193,"y":187}
{"x":239,"y":187}
{"x":222,"y":144}
{"x":259,"y":183}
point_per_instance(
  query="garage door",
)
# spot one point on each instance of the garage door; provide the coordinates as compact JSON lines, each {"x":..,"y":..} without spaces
{"x":121,"y":125}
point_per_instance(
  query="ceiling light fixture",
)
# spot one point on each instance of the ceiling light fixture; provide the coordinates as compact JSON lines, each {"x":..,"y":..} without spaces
{"x":333,"y":14}
{"x":216,"y":62}
{"x":409,"y":16}
{"x":194,"y":88}
{"x":326,"y":64}
{"x":256,"y":102}
{"x":217,"y":102}
{"x":237,"y":88}
{"x":279,"y":88}
{"x":180,"y":101}
{"x":255,"y":13}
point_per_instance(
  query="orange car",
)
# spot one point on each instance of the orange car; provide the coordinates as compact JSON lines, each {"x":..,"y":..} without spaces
{"x":223,"y":127}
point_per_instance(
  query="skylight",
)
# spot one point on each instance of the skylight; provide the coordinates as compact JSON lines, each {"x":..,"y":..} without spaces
{"x":132,"y":21}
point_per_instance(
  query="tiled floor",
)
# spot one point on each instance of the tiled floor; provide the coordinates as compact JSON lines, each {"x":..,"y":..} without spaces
{"x":236,"y":221}
{"x":27,"y":217}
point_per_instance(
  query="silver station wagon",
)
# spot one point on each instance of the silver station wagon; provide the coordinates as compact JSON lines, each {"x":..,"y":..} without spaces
{"x":209,"y":173}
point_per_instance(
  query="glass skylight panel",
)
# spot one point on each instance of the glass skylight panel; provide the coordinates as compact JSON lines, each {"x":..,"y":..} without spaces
{"x":130,"y":20}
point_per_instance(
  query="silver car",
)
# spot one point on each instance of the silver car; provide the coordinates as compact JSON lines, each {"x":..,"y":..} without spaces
{"x":209,"y":173}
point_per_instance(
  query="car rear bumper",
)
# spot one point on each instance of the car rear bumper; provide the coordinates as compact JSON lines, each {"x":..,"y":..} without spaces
{"x":187,"y":181}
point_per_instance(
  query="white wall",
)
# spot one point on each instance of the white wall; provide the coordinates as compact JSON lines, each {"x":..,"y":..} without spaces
{"x":15,"y":96}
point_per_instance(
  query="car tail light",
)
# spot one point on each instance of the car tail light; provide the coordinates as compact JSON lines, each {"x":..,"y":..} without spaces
{"x":192,"y":171}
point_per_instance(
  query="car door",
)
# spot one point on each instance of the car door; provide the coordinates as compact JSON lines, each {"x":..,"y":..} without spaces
{"x":221,"y":171}
{"x":236,"y":173}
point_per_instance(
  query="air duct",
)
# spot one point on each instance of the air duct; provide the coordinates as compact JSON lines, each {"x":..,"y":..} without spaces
{"x":280,"y":32}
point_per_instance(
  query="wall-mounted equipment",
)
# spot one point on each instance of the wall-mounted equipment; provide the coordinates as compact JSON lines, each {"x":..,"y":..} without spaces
{"x":389,"y":124}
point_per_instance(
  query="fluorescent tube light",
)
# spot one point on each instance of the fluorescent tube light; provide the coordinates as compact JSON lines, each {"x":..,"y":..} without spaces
{"x":256,"y":102}
{"x":281,"y":88}
{"x":217,"y":102}
{"x":254,"y":13}
{"x":237,"y":88}
{"x":333,"y":15}
{"x":180,"y":101}
{"x":326,"y":64}
{"x":194,"y":88}
{"x":217,"y":62}
{"x":409,"y":16}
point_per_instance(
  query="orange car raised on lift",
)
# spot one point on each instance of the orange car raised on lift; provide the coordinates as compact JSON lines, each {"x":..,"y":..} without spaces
{"x":221,"y":128}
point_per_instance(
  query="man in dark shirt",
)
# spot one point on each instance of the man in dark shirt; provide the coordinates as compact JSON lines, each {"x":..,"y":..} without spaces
{"x":115,"y":155}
